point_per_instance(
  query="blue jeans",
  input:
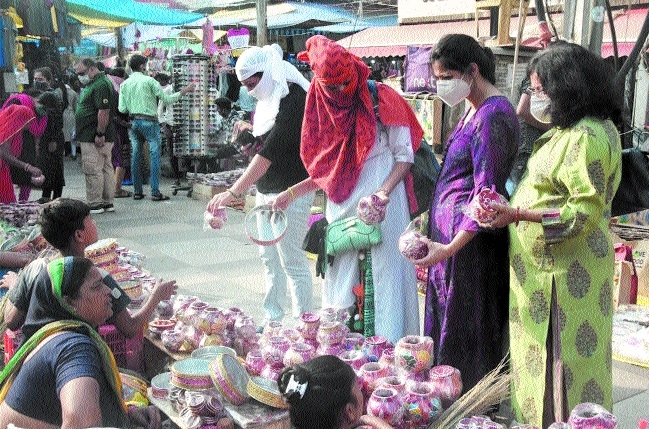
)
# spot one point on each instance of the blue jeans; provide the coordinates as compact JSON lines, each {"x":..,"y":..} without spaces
{"x":144,"y":130}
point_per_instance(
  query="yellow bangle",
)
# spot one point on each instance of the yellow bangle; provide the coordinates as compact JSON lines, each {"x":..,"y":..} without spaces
{"x":291,"y":193}
{"x":233,"y":194}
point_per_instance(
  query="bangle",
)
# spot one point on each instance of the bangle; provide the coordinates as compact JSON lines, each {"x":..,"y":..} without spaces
{"x":238,"y":197}
{"x":26,"y":167}
{"x":291,"y":193}
{"x":98,"y":134}
{"x":517,"y":216}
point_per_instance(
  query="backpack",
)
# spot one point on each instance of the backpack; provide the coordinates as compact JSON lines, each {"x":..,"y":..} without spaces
{"x":425,"y":168}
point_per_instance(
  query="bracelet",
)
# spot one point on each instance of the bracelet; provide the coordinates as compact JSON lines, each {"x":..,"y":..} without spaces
{"x":517,"y":217}
{"x":238,"y":197}
{"x":26,"y":167}
{"x":291,"y":193}
{"x":98,"y":134}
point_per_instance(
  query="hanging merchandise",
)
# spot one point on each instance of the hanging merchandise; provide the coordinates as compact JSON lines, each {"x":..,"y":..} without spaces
{"x":238,"y":38}
{"x":208,"y":38}
{"x":195,"y":115}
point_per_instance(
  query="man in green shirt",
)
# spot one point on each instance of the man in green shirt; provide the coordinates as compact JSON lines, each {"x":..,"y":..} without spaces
{"x":138,"y":96}
{"x":95,"y":135}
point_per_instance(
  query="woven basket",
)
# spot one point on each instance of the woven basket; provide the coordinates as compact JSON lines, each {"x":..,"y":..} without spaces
{"x":266,"y":392}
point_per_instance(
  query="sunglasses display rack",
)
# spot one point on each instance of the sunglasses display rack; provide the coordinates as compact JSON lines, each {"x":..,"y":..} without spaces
{"x":195,"y":114}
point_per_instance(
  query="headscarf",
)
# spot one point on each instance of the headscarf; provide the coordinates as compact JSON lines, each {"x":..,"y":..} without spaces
{"x":13,"y":119}
{"x":36,"y":127}
{"x":339,"y":128}
{"x":55,"y":315}
{"x":273,"y":85}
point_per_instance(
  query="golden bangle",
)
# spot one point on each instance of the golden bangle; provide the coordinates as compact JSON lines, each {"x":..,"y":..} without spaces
{"x":291,"y":193}
{"x":231,"y":192}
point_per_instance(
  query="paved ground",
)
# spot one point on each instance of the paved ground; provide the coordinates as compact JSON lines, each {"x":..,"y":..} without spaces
{"x":223,"y":267}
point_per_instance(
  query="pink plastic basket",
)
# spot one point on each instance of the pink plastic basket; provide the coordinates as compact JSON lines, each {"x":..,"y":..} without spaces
{"x":127,"y":351}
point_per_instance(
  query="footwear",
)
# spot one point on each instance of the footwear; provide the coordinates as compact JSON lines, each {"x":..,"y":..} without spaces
{"x":138,"y":196}
{"x":96,"y":209}
{"x":123,"y":193}
{"x":159,"y":197}
{"x":43,"y":200}
{"x":127,"y":182}
{"x":108,"y":207}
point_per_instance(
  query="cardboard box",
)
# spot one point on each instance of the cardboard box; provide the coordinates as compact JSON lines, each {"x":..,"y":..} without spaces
{"x":622,"y":283}
{"x":641,"y":261}
{"x":205,"y":192}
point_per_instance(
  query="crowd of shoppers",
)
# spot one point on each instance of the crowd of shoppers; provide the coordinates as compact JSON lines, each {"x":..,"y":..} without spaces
{"x":535,"y":280}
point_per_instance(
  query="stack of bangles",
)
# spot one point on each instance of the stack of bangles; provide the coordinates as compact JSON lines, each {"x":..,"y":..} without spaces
{"x":291,"y":193}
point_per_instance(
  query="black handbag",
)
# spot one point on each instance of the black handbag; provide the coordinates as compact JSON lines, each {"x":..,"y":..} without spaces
{"x":633,"y":193}
{"x":314,"y":242}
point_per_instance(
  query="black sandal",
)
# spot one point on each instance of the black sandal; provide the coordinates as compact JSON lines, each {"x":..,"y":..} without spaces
{"x":138,"y":196}
{"x":159,"y":197}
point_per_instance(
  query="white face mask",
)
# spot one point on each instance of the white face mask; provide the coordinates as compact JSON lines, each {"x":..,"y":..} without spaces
{"x":540,"y":109}
{"x":452,"y":91}
{"x":264,"y":88}
{"x":85,"y":79}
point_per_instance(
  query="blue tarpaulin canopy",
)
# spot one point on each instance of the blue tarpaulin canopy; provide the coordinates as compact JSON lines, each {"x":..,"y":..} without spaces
{"x":117,"y":13}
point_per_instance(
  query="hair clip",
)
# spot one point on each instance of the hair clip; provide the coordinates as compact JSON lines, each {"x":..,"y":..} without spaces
{"x":294,"y":386}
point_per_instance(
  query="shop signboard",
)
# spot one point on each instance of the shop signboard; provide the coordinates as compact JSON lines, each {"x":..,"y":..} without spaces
{"x":411,"y":11}
{"x":418,"y":73}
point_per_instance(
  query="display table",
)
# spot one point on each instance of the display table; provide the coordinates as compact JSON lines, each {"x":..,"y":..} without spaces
{"x":157,"y":359}
{"x":250,"y":415}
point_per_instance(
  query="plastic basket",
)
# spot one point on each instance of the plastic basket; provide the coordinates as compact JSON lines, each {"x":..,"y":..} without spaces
{"x":127,"y":351}
{"x":11,"y":339}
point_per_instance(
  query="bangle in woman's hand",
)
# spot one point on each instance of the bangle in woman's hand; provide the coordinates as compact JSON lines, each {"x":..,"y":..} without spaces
{"x":231,"y":192}
{"x":517,"y":216}
{"x":291,"y":193}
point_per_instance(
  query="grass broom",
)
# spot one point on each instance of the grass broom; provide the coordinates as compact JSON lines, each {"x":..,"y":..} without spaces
{"x":493,"y":389}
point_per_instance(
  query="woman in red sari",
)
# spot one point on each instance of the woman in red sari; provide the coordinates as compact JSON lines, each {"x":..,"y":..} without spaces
{"x":13,"y":119}
{"x":24,"y":142}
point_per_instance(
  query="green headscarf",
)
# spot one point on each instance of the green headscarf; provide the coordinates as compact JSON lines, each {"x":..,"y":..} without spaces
{"x":63,"y":277}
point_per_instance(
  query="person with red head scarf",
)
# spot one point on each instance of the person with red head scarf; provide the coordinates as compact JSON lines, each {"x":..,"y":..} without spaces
{"x":13,"y":120}
{"x":23,"y":144}
{"x":350,"y":154}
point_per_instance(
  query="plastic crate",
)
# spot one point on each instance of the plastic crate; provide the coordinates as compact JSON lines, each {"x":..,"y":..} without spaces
{"x":127,"y":351}
{"x":11,"y":339}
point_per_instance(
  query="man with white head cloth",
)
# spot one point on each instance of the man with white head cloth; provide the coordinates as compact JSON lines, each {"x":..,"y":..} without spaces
{"x":280,"y":91}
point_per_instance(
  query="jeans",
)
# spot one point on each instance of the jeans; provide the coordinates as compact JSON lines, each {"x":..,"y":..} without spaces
{"x":286,"y":264}
{"x":99,"y":172}
{"x":144,"y":130}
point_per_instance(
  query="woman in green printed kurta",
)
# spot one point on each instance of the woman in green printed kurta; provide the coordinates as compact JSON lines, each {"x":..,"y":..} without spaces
{"x":561,"y":253}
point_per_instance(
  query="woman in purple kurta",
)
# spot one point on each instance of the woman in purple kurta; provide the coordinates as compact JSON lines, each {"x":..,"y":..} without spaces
{"x":468,"y":279}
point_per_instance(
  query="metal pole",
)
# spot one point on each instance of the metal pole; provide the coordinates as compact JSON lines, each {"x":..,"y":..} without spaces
{"x":522,"y":12}
{"x":262,"y":25}
{"x":119,"y":43}
{"x":598,"y":11}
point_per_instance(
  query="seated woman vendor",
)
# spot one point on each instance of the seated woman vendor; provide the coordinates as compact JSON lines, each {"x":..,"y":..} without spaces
{"x":65,"y":375}
{"x":324,"y":393}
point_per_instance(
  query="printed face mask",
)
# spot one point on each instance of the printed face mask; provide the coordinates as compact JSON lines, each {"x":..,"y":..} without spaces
{"x":452,"y":91}
{"x":540,"y":109}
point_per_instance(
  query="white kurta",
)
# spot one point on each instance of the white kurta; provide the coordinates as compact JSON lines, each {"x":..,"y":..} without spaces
{"x":395,"y":288}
